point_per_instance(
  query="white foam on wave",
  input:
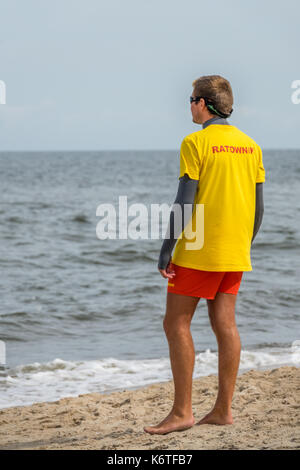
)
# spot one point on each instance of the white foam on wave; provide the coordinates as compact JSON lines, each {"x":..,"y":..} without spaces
{"x":39,"y":382}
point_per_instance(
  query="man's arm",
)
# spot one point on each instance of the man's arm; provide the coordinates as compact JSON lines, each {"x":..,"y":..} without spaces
{"x":259,"y":209}
{"x":185,"y":195}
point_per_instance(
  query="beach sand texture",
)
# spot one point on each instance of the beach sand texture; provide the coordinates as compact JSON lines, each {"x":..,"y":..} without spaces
{"x":265,"y":412}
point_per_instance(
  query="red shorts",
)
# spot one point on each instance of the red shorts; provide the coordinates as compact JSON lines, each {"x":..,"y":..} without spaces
{"x":203,"y":284}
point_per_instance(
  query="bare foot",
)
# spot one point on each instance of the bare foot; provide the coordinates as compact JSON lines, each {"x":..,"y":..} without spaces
{"x":171,"y":423}
{"x":215,"y":417}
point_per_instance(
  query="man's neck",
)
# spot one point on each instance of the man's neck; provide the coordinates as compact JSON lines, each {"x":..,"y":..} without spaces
{"x":215,"y":120}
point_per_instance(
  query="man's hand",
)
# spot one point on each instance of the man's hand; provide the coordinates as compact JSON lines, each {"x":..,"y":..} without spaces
{"x":168,"y":272}
{"x":164,"y":264}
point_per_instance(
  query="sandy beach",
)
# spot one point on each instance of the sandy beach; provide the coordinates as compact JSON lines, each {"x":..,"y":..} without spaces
{"x":265,"y":413}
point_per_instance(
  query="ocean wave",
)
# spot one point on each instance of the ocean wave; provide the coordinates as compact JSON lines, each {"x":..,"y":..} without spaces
{"x":81,"y":218}
{"x":38,"y":382}
{"x":285,"y":245}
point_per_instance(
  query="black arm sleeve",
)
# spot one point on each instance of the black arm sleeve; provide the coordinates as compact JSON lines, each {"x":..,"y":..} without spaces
{"x":259,"y":209}
{"x":185,"y":195}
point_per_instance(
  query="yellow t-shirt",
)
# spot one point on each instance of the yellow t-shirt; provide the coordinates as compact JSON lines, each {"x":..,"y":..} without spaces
{"x":228,"y":164}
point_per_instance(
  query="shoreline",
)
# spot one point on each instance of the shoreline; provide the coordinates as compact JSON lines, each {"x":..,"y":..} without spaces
{"x":264,"y":410}
{"x":240,"y":372}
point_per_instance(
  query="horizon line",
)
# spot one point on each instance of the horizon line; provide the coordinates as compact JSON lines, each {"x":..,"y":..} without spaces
{"x":125,"y":150}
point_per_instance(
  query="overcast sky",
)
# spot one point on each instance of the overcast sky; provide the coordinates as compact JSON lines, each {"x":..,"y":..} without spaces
{"x":116,"y":74}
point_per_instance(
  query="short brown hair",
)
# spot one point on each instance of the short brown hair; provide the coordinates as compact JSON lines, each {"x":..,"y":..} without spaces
{"x":216,"y":88}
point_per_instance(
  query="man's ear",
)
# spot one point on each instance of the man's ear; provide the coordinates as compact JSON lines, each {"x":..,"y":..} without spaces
{"x":202,"y":104}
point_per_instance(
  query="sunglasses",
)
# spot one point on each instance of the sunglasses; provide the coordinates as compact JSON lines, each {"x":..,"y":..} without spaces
{"x":210,"y":105}
{"x":198,"y":98}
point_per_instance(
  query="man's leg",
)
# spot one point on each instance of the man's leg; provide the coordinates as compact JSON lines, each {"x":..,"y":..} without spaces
{"x":179,"y":313}
{"x":222,"y":317}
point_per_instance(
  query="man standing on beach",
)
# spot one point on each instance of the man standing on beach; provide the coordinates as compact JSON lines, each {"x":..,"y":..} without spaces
{"x":222,"y":169}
